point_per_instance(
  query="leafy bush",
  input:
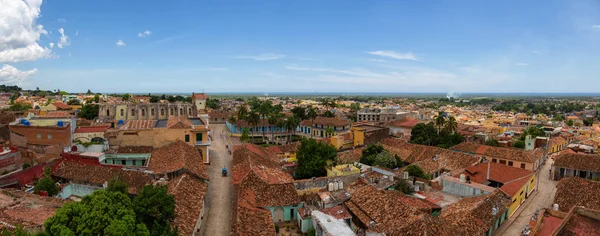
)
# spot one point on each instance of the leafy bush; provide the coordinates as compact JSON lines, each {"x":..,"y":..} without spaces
{"x":46,"y":183}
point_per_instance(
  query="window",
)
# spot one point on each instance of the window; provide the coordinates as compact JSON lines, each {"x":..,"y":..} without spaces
{"x":171,"y":111}
{"x":190,"y":111}
{"x":494,"y":160}
{"x":123,"y":162}
{"x":162,"y":112}
{"x":198,"y":137}
{"x":143,"y":112}
{"x":107,"y":112}
{"x":39,"y":136}
{"x":522,"y":165}
{"x":503,"y":162}
{"x":531,"y":181}
{"x":152,"y":111}
{"x":122,"y":112}
{"x":510,"y":163}
{"x":143,"y":162}
{"x":521,"y":193}
{"x":133,"y":112}
{"x":187,"y":138}
{"x":514,"y":200}
{"x":49,"y":137}
{"x":180,"y":111}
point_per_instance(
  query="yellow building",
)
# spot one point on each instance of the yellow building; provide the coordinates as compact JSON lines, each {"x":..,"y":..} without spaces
{"x":515,"y":182}
{"x":159,"y":133}
{"x":342,"y":170}
{"x":557,"y":144}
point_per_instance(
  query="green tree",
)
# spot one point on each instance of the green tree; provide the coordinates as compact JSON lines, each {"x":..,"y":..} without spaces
{"x":212,"y":103}
{"x":154,"y":99}
{"x":328,"y":131}
{"x":570,"y":122}
{"x":19,"y":107}
{"x":89,"y":111}
{"x":386,"y":159}
{"x":116,"y":185}
{"x":492,"y":142}
{"x":299,"y":112}
{"x":245,"y":135}
{"x":451,"y":125}
{"x":101,"y":213}
{"x":291,"y":123}
{"x":403,"y":186}
{"x":369,"y":154}
{"x":312,"y":158}
{"x":414,"y":170}
{"x":354,"y":108}
{"x":533,"y":131}
{"x":73,"y":102}
{"x":126,"y":97}
{"x":253,"y":119}
{"x":97,"y":98}
{"x":46,"y":183}
{"x":328,"y":113}
{"x":440,"y":120}
{"x":519,"y":144}
{"x":63,"y":93}
{"x":155,"y":208}
{"x":89,"y":92}
{"x":311,"y":113}
{"x":425,"y":134}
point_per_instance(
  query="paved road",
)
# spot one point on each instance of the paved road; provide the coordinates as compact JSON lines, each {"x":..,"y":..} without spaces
{"x":219,"y":187}
{"x":542,"y":199}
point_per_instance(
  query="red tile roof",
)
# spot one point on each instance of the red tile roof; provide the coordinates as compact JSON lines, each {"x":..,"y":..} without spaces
{"x":199,"y":96}
{"x":498,"y":152}
{"x":404,"y":123}
{"x":189,"y":195}
{"x":61,"y":105}
{"x":91,"y":129}
{"x":578,"y":161}
{"x":178,"y":122}
{"x":326,"y":121}
{"x":512,"y":178}
{"x":338,"y":212}
{"x":58,"y":114}
{"x":175,"y":157}
{"x":574,"y":191}
{"x":473,"y":215}
{"x":96,"y":174}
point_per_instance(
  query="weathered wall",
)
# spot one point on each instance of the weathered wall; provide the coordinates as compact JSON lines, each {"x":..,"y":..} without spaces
{"x":146,"y":111}
{"x":321,"y":182}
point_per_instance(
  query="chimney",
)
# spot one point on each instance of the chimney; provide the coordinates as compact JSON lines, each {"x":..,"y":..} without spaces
{"x":488,"y":171}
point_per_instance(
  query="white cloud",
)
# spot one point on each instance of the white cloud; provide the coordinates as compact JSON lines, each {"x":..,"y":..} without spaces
{"x":212,"y":69}
{"x":522,"y":64}
{"x":77,"y":33}
{"x":51,"y":45}
{"x":120,"y":43}
{"x":263,"y":57}
{"x":61,"y":20}
{"x":395,"y":55}
{"x":145,"y":33}
{"x":13,"y":76}
{"x":596,"y":26}
{"x":272,"y":75}
{"x":64,"y":40}
{"x":377,"y":60}
{"x":19,"y":31}
{"x":353,"y":72}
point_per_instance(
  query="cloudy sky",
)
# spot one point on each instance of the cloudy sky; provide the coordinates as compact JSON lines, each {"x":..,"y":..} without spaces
{"x":301,"y":46}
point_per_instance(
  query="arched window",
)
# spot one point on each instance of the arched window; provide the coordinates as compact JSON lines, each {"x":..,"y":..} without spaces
{"x":143,"y":112}
{"x":162,"y":112}
{"x":152,"y":111}
{"x":171,"y":111}
{"x":107,"y":112}
{"x":190,"y":111}
{"x":133,"y":112}
{"x":122,"y":112}
{"x":180,"y":111}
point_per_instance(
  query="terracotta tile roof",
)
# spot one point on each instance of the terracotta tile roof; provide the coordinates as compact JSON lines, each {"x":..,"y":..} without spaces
{"x":349,"y":157}
{"x":91,"y":129}
{"x":498,"y":152}
{"x":219,"y":114}
{"x":498,"y":172}
{"x":558,"y":141}
{"x":96,"y":174}
{"x":61,"y":105}
{"x":138,"y":125}
{"x":578,"y":161}
{"x":26,"y":209}
{"x":574,"y":191}
{"x":57,"y":114}
{"x":199,"y":96}
{"x":454,"y":162}
{"x":473,"y":215}
{"x":189,"y":195}
{"x":135,"y":150}
{"x":404,"y":123}
{"x":387,"y":209}
{"x":248,"y":220}
{"x":338,"y":212}
{"x":175,"y":157}
{"x":292,"y":147}
{"x":326,"y":121}
{"x":178,"y":122}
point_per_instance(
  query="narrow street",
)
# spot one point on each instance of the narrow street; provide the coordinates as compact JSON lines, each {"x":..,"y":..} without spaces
{"x":542,"y":199}
{"x":219,"y":187}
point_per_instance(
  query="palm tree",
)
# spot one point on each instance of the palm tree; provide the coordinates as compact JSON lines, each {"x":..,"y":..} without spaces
{"x":290,"y":124}
{"x":451,"y":124}
{"x":311,"y":113}
{"x":440,"y":120}
{"x":264,"y":108}
{"x":273,"y":121}
{"x":242,"y":112}
{"x":329,"y":131}
{"x":253,"y":119}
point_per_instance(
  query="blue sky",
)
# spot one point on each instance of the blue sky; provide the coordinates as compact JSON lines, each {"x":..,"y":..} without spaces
{"x":302,"y":46}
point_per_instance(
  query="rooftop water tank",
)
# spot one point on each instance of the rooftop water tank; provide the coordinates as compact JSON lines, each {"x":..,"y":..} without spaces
{"x":335,"y":186}
{"x":341,"y":185}
{"x":26,"y":123}
{"x":120,"y":122}
{"x":330,"y":187}
{"x":60,"y":123}
{"x":462,"y":178}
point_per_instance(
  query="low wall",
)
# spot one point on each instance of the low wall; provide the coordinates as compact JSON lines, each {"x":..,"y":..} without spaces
{"x":310,"y":185}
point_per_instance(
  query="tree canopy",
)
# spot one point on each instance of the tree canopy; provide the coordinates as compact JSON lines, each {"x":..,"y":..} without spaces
{"x":101,"y":213}
{"x":89,"y":111}
{"x":427,"y":134}
{"x":376,"y":155}
{"x":155,"y":208}
{"x":414,"y":170}
{"x":46,"y":183}
{"x":312,"y":158}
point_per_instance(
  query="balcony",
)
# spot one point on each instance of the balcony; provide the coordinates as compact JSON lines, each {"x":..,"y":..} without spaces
{"x":202,"y":143}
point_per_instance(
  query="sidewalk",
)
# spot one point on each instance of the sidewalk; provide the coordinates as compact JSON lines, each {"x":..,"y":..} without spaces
{"x":508,"y":223}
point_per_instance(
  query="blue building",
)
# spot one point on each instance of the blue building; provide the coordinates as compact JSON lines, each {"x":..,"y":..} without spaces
{"x":263,"y":125}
